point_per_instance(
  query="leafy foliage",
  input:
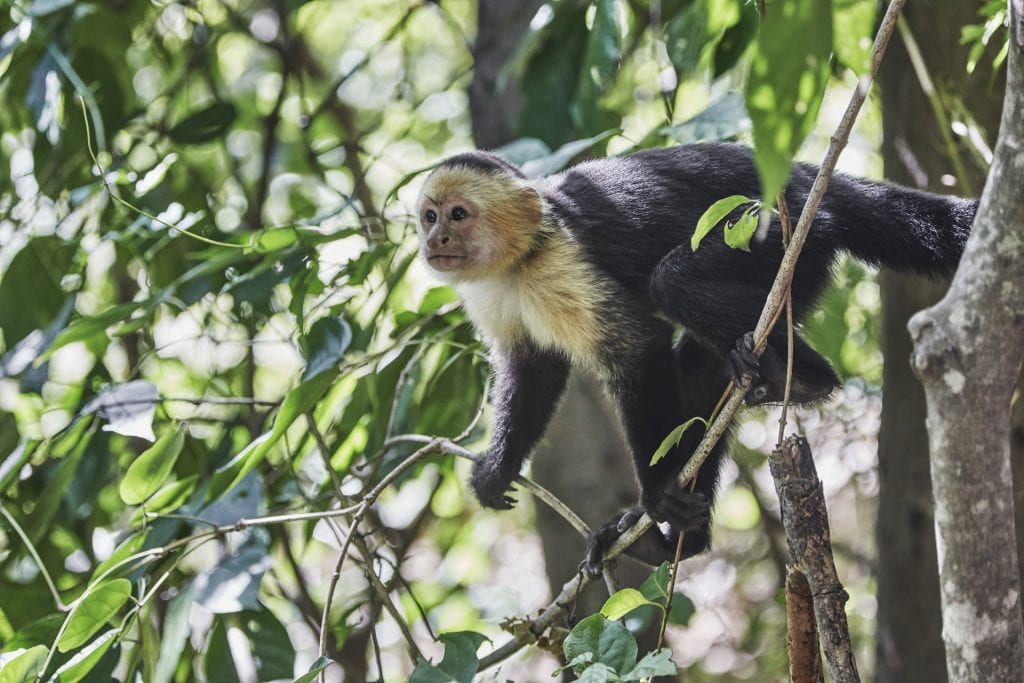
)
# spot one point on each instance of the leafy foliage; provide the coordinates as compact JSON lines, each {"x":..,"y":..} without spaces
{"x":213,"y":332}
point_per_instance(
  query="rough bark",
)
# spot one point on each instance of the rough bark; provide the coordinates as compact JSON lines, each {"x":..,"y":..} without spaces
{"x":909,"y":642}
{"x":968,"y":350}
{"x":801,"y":631}
{"x":802,"y":502}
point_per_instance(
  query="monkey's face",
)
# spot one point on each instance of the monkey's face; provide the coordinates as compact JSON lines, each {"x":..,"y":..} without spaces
{"x":475,"y":224}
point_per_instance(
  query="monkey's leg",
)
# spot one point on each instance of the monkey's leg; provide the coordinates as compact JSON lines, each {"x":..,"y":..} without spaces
{"x":663,"y":389}
{"x":718,"y":293}
{"x":528,"y":385}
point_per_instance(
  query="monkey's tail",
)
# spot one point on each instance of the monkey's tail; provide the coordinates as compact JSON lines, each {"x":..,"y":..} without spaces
{"x":899,"y":227}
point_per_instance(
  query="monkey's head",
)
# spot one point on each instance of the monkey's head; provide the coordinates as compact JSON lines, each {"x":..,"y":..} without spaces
{"x":477,"y":216}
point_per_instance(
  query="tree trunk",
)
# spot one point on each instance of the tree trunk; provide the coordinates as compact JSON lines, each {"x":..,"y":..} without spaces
{"x":909,"y":642}
{"x":968,"y":351}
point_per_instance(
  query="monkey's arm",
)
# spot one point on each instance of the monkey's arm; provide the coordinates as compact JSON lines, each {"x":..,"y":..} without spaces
{"x":528,"y":385}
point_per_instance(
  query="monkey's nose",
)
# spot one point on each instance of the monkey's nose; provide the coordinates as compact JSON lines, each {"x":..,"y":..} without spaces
{"x":439,"y":240}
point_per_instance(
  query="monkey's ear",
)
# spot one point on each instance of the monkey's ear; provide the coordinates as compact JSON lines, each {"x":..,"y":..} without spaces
{"x":530,"y":204}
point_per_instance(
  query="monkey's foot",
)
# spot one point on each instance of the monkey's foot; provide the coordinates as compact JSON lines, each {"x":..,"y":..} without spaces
{"x":745,"y":363}
{"x":678,"y":511}
{"x":492,"y":483}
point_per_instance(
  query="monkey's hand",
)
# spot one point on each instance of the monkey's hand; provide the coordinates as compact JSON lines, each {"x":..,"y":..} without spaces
{"x":492,"y":482}
{"x":745,"y":363}
{"x":673,"y":512}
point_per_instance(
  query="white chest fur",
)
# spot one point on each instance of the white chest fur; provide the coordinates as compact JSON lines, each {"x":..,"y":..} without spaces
{"x":554,"y":301}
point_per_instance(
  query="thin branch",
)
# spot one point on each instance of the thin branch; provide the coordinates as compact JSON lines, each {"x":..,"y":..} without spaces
{"x":35,"y":557}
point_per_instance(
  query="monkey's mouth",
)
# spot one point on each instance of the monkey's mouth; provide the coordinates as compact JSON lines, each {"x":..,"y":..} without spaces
{"x":447,"y":262}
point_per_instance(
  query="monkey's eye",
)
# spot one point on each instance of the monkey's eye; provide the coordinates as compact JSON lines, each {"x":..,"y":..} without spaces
{"x":458,"y":213}
{"x":431,"y":216}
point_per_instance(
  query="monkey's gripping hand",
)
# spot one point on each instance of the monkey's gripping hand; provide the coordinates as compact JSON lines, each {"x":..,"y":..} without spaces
{"x":492,"y":482}
{"x":673,"y":512}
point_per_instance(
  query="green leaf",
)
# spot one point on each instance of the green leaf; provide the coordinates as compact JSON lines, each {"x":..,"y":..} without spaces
{"x":33,"y":275}
{"x":459,"y":663}
{"x":537,"y":168}
{"x":738,"y":234}
{"x":853,"y":22}
{"x":314,"y":670}
{"x":547,"y":67}
{"x":204,"y":125}
{"x":672,"y":440}
{"x":435,"y":298}
{"x":149,"y":470}
{"x":723,"y":119}
{"x":655,"y":587}
{"x":272,"y":240}
{"x":598,"y":673}
{"x":25,"y":667}
{"x":218,"y":664}
{"x":176,"y":629}
{"x":682,"y":610}
{"x":271,"y":646}
{"x":79,"y":666}
{"x":623,"y":602}
{"x":93,"y":611}
{"x":173,"y":495}
{"x":610,"y":641}
{"x":325,"y":345}
{"x":601,"y":60}
{"x":714,"y":215}
{"x":658,"y":663}
{"x":128,"y":547}
{"x":788,"y":75}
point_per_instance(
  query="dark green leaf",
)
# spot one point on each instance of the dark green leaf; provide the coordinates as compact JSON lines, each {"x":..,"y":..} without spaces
{"x":655,"y":587}
{"x":682,"y":610}
{"x":325,"y":345}
{"x":218,"y":665}
{"x":787,"y":81}
{"x":93,"y":612}
{"x":34,"y":274}
{"x":176,"y":629}
{"x":600,"y":65}
{"x":610,"y":641}
{"x":271,"y":646}
{"x":205,"y":124}
{"x":314,"y":670}
{"x":549,"y":65}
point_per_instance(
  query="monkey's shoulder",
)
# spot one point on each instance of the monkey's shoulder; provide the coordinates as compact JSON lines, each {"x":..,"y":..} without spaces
{"x":555,"y":299}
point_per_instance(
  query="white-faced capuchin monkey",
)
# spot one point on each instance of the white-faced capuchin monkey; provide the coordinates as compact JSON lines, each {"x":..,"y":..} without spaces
{"x":584,"y":267}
